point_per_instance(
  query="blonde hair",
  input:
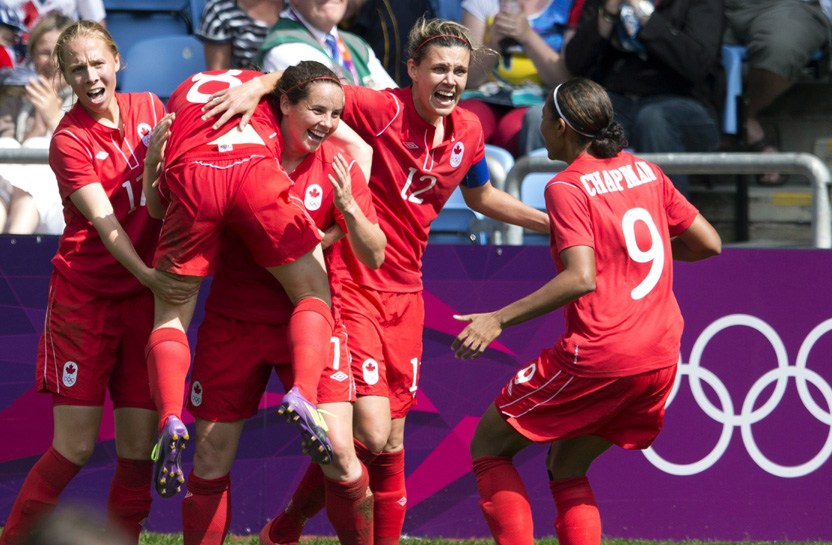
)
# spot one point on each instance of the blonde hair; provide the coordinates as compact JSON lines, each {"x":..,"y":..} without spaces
{"x":52,"y":21}
{"x":80,"y":29}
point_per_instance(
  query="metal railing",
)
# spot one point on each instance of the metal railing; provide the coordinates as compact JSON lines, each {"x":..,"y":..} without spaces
{"x":706,"y":163}
{"x":671,"y":163}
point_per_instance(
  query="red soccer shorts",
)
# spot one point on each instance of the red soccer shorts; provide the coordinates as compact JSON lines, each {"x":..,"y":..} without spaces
{"x":90,"y":344}
{"x":386,"y":343}
{"x":545,"y":404}
{"x":233,"y":362}
{"x":241,"y":190}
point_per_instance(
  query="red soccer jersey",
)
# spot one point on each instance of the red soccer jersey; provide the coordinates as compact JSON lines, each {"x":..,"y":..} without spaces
{"x":242,"y":289}
{"x":410,"y":179}
{"x":626,"y":210}
{"x":84,"y":152}
{"x":189,"y":132}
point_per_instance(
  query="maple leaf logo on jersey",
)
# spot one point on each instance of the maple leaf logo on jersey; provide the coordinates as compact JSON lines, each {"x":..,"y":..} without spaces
{"x":70,"y":374}
{"x":145,"y":132}
{"x":196,"y":394}
{"x":314,"y":197}
{"x":457,"y":153}
{"x":370,"y":369}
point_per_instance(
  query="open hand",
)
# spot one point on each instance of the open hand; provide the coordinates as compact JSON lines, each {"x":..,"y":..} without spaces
{"x":477,"y":335}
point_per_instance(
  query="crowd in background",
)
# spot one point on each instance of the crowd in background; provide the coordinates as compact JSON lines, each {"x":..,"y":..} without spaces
{"x":660,"y":60}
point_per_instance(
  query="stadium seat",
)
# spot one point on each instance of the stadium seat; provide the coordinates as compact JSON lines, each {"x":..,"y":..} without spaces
{"x":130,"y":27}
{"x":160,"y":64}
{"x":531,"y":193}
{"x":196,"y":12}
{"x":457,"y":224}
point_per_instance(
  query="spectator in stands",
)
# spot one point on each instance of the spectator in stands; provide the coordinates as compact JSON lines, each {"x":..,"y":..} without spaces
{"x":661,"y":66}
{"x":32,"y":11}
{"x":233,"y":31}
{"x":308,"y":31}
{"x":447,"y":9}
{"x":780,"y":37}
{"x":384,"y":25}
{"x":28,"y":116}
{"x":10,"y":31}
{"x":529,"y":35}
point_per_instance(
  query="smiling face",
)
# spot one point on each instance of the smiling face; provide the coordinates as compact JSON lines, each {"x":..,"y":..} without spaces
{"x":321,"y":14}
{"x":90,"y":69}
{"x":313,"y":119}
{"x":439,"y":80}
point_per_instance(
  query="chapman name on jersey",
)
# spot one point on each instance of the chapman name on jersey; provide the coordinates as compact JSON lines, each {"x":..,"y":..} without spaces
{"x":608,"y":181}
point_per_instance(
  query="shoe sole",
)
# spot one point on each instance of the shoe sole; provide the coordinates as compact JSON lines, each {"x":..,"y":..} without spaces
{"x":318,"y":448}
{"x":167,"y":466}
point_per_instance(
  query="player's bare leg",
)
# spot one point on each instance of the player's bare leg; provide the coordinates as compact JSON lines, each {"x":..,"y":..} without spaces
{"x":206,"y":508}
{"x":128,"y":503}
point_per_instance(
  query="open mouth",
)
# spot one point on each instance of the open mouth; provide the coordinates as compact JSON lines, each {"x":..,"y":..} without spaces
{"x":96,"y":94}
{"x":444,"y":98}
{"x":317,"y":136}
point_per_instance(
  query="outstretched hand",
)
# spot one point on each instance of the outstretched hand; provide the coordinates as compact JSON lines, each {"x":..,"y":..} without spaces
{"x":158,"y":141}
{"x":477,"y":335}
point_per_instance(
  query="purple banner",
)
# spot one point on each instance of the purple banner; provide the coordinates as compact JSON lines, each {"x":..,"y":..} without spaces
{"x":743,"y":456}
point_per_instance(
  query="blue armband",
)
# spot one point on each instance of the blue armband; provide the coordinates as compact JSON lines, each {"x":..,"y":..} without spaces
{"x":477,"y":175}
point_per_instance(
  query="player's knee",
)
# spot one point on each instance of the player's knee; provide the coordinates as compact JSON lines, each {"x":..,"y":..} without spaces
{"x":211,"y":459}
{"x":78,"y":452}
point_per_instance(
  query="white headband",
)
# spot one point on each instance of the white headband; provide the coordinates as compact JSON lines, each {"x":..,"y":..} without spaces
{"x":564,"y":117}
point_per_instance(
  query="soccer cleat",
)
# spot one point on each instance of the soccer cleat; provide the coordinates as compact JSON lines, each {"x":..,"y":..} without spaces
{"x":167,"y":454}
{"x":310,"y":424}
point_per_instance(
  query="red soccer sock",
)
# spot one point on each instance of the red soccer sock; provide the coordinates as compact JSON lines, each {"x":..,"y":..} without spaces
{"x":387,"y":484}
{"x":364,"y":454}
{"x":308,"y":500}
{"x":128,"y":504}
{"x":168,"y":358}
{"x":578,"y":521}
{"x":349,"y":507}
{"x":39,"y":494}
{"x":504,"y":500}
{"x":309,"y":334}
{"x":206,"y":510}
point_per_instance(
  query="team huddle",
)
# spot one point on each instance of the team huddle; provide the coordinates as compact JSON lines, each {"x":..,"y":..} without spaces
{"x":310,"y":201}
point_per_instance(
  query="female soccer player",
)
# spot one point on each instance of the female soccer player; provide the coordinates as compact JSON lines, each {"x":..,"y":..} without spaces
{"x":423,"y":148}
{"x":216,"y":179}
{"x":247,"y":312}
{"x":100,"y":311}
{"x":617,"y":224}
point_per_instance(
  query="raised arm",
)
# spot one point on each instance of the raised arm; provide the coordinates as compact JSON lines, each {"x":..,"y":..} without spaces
{"x":366,"y":238}
{"x":153,"y":165}
{"x":241,"y":99}
{"x":577,"y":279}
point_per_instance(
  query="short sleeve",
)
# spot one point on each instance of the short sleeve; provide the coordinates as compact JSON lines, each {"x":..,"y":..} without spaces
{"x":370,"y":112}
{"x":569,"y":216}
{"x":680,"y":213}
{"x":72,"y":161}
{"x":211,"y":24}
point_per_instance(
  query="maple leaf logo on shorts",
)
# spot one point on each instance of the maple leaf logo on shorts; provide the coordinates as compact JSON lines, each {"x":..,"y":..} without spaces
{"x":70,"y":374}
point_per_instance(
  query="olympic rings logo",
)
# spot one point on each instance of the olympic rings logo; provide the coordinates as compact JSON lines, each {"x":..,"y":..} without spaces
{"x":748,"y":415}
